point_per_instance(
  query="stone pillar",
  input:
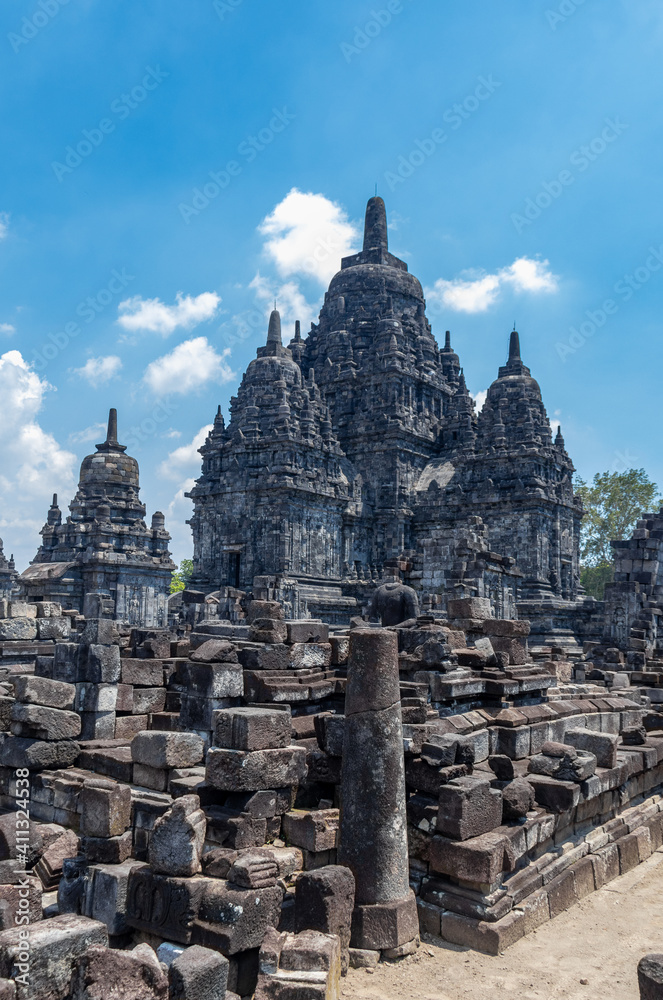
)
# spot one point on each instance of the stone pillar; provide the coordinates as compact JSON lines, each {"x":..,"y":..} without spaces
{"x":373,"y":829}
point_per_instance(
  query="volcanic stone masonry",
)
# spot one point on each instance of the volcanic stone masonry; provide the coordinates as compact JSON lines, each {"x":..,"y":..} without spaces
{"x":213,"y":815}
{"x":104,"y":547}
{"x":357,"y":449}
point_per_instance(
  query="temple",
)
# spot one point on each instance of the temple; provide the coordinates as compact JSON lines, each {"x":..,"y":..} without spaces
{"x":104,"y":546}
{"x":357,"y":449}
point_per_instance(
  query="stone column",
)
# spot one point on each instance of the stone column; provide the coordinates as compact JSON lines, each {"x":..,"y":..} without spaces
{"x":373,"y":829}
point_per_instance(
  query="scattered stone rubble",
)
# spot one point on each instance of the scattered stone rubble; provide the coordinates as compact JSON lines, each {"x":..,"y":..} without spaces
{"x":247,"y":810}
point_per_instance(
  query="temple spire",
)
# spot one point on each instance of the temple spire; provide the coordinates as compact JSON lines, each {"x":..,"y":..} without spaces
{"x":514,"y":346}
{"x":447,"y":340}
{"x":375,"y":225}
{"x":111,"y":443}
{"x":274,"y":331}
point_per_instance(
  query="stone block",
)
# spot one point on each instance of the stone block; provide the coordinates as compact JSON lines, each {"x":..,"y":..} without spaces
{"x":68,"y":659}
{"x":108,"y":850}
{"x":324,"y":901}
{"x":468,"y":807}
{"x":268,"y":630}
{"x":20,"y":900}
{"x":167,"y":750}
{"x":156,"y":778}
{"x":245,"y":771}
{"x":96,"y":697}
{"x":312,"y":831}
{"x":629,"y":853}
{"x":198,"y":974}
{"x":164,"y":905}
{"x":21,"y":609}
{"x":100,"y":968}
{"x":233,"y":920}
{"x":144,"y":673}
{"x":378,"y":926}
{"x":44,"y":723}
{"x":148,"y":700}
{"x":307,"y":630}
{"x":264,"y":609}
{"x":517,"y":799}
{"x":480,"y":935}
{"x":177,"y":839}
{"x":340,"y":647}
{"x":48,"y":609}
{"x":18,"y":629}
{"x":469,"y":607}
{"x":252,"y":870}
{"x":482,"y":859}
{"x":602,"y":745}
{"x":605,"y":862}
{"x":102,"y":664}
{"x":252,"y":728}
{"x":36,"y":754}
{"x":304,"y":966}
{"x":212,"y":680}
{"x":55,"y":629}
{"x":128,"y":726}
{"x":97,"y":725}
{"x":650,"y":977}
{"x":309,"y":656}
{"x":106,"y":894}
{"x":42,"y":691}
{"x":562,"y":893}
{"x":55,"y":947}
{"x":511,"y":742}
{"x":105,"y":808}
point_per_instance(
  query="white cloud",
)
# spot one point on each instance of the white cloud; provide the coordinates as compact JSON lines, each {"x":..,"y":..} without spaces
{"x":307,"y":234}
{"x":479,"y":398}
{"x":290,"y":302}
{"x":88,"y":434}
{"x":190,"y":366}
{"x":96,"y":371}
{"x":33,"y":466}
{"x":185,"y":460}
{"x":474,"y":291}
{"x":154,"y":316}
{"x":4,"y":225}
{"x":7,"y":328}
{"x":178,"y":512}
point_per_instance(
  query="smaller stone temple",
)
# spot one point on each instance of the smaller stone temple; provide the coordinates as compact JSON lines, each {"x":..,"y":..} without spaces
{"x":8,"y":575}
{"x":104,"y":546}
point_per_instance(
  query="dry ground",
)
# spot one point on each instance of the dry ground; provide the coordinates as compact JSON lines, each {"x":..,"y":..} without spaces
{"x":590,"y":952}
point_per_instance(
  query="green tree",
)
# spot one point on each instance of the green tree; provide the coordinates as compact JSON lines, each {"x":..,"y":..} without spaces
{"x":180,"y":578}
{"x":613,"y":503}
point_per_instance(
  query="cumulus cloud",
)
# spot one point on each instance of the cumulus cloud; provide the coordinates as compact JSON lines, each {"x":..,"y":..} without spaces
{"x":189,"y":367}
{"x":307,"y":234}
{"x":33,"y":466}
{"x":96,"y":371}
{"x":138,"y":315}
{"x":289,"y":298}
{"x":7,"y":328}
{"x":479,"y":398}
{"x":178,"y":512}
{"x":89,"y":434}
{"x":185,"y":460}
{"x":475,"y":291}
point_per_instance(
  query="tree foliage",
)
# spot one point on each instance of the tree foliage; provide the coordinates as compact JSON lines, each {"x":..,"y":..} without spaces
{"x":613,"y":503}
{"x":180,"y":578}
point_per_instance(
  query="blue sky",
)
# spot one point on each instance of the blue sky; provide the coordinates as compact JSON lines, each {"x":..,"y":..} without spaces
{"x":517,"y":145}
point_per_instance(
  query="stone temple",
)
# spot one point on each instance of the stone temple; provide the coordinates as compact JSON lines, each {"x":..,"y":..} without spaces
{"x":357,"y":450}
{"x":104,"y":546}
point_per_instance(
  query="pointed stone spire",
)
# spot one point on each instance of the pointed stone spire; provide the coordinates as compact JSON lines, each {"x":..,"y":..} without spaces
{"x":514,"y":347}
{"x":274,"y":331}
{"x":559,"y":440}
{"x":375,"y":225}
{"x":298,"y":330}
{"x":111,"y":444}
{"x":447,"y":340}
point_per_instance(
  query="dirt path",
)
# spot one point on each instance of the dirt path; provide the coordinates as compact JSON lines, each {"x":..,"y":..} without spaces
{"x":599,"y":940}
